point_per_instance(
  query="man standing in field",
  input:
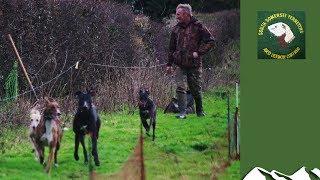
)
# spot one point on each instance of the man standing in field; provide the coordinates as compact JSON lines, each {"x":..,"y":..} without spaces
{"x":189,"y":41}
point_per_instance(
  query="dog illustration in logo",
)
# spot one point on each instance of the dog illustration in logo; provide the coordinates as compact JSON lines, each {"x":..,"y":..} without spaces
{"x":283,"y":33}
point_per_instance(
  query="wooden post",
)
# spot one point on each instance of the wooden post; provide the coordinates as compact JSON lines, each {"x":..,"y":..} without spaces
{"x":22,"y":66}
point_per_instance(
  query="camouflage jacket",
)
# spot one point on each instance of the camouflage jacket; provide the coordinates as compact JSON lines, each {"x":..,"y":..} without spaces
{"x":186,"y":39}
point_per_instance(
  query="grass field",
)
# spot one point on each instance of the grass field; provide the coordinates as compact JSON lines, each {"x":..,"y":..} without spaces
{"x":232,"y":172}
{"x":183,"y":149}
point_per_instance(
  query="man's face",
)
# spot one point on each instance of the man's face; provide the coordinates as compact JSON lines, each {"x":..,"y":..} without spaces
{"x":182,"y":16}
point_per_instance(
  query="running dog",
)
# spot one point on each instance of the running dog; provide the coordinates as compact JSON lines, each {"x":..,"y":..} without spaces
{"x":147,"y":109}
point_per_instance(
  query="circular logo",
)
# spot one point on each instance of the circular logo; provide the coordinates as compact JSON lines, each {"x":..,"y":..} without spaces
{"x":281,"y":35}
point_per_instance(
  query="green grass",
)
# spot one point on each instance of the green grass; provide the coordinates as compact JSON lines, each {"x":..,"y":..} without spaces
{"x":232,"y":172}
{"x":183,"y":148}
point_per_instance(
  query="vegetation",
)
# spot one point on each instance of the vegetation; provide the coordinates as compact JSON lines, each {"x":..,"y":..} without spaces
{"x":159,"y":9}
{"x":51,"y":36}
{"x":11,"y":84}
{"x":232,"y":172}
{"x":183,"y":148}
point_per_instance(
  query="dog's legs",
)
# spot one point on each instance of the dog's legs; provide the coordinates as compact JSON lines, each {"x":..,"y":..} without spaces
{"x":98,"y":124}
{"x":94,"y":139}
{"x":76,"y":146}
{"x":145,"y":125}
{"x":50,"y":158}
{"x":56,"y":153}
{"x":35,"y":148}
{"x":95,"y":150}
{"x":85,"y":154}
{"x":40,"y":150}
{"x":153,"y":127}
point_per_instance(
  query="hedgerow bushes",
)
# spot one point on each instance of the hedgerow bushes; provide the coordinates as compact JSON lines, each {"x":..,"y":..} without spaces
{"x":52,"y":36}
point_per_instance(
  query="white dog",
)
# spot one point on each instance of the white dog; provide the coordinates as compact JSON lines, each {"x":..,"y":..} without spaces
{"x":35,"y":117}
{"x":279,"y":29}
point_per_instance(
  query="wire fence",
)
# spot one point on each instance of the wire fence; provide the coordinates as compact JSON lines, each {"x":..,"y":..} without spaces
{"x":132,"y":67}
{"x":74,"y":66}
{"x":38,"y":87}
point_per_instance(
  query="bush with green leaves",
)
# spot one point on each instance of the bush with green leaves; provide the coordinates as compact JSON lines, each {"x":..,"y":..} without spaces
{"x":11,"y":83}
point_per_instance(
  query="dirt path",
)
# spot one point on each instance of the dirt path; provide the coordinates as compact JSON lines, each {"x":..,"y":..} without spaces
{"x":133,"y":169}
{"x":216,"y":170}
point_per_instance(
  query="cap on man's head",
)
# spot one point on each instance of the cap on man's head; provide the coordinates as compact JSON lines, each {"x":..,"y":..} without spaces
{"x":185,"y":7}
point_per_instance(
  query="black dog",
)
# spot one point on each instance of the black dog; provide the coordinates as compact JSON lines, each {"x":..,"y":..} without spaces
{"x":147,"y":110}
{"x":86,"y":121}
{"x":173,"y":106}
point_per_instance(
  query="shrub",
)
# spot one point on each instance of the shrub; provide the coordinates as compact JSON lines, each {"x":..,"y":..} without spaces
{"x":53,"y":35}
{"x":91,"y":32}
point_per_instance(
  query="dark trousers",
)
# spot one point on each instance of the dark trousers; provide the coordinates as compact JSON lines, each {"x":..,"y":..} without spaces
{"x":189,"y":78}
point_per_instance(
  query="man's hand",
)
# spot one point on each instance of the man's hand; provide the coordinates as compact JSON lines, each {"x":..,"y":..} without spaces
{"x":195,"y":55}
{"x":169,"y":69}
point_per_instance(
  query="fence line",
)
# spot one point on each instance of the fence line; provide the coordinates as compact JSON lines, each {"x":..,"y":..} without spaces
{"x":76,"y":65}
{"x":38,"y":87}
{"x":92,"y":64}
{"x":128,"y":67}
{"x":141,"y":67}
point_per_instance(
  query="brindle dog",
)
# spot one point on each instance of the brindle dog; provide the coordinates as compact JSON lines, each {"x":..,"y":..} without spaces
{"x":147,"y":109}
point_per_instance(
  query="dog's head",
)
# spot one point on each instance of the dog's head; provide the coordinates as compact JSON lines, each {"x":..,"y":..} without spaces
{"x":35,"y":117}
{"x":84,"y":100}
{"x":282,"y":29}
{"x":143,"y":96}
{"x":277,"y":29}
{"x":52,"y":108}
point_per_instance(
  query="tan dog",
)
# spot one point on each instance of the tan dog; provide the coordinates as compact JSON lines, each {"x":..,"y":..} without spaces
{"x":46,"y":132}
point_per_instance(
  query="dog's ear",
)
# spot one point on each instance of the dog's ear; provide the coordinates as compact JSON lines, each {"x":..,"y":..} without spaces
{"x":36,"y":105}
{"x":77,"y":94}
